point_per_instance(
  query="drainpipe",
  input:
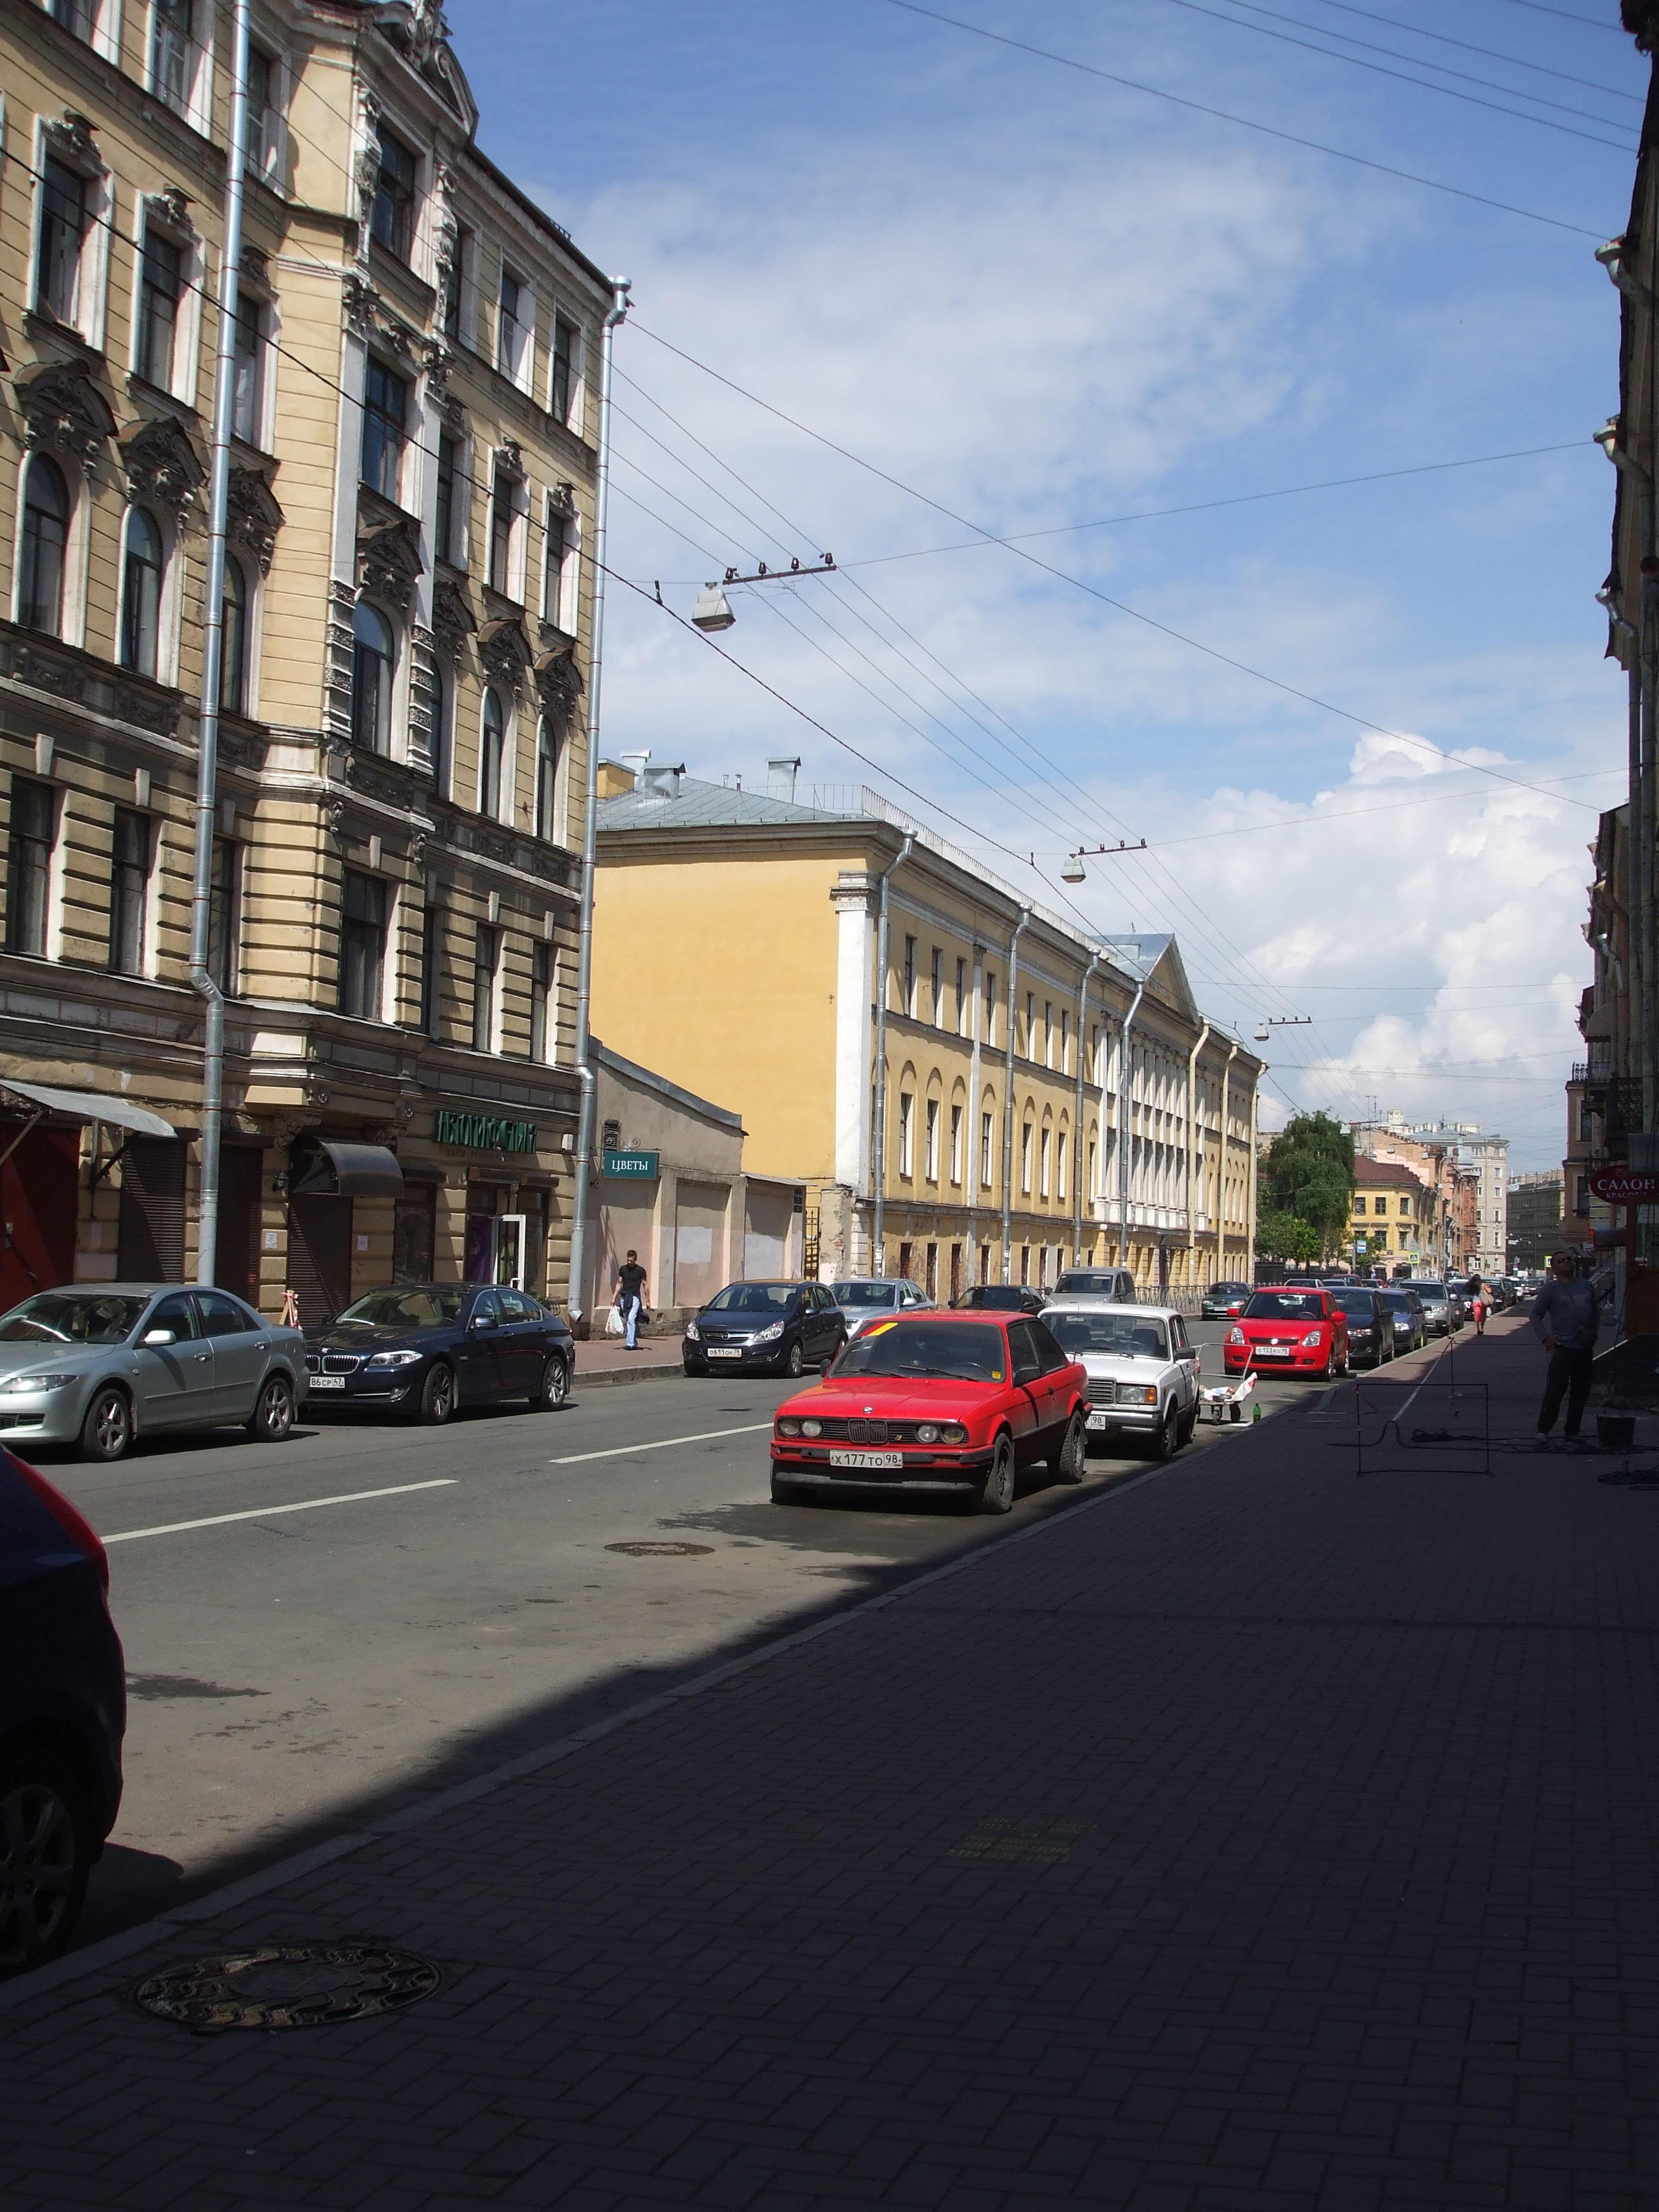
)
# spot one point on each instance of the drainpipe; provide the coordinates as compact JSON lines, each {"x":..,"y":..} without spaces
{"x":1077,"y":1125}
{"x":213,"y":655}
{"x":878,"y":1164}
{"x":1249,"y":1249}
{"x":1221,"y":1196}
{"x":1192,"y":1123}
{"x":974,"y":1109}
{"x":1123,"y":1116}
{"x":619,"y":290}
{"x":1008,"y":1100}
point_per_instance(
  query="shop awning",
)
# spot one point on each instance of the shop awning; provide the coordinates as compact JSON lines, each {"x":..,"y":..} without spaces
{"x":89,"y":1106}
{"x":340,"y":1170}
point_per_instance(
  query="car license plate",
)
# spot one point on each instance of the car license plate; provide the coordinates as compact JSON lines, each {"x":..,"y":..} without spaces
{"x":1097,"y":1421}
{"x":724,"y":1350}
{"x":868,"y":1463}
{"x":325,"y":1381}
{"x":1273,"y":1351}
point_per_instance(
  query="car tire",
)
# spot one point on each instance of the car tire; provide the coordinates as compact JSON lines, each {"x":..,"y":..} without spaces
{"x":106,"y":1432}
{"x":785,"y":1492}
{"x":1167,"y":1442}
{"x":46,"y":1846}
{"x":1070,"y":1463}
{"x":795,"y":1361}
{"x":273,"y":1411}
{"x":554,"y":1387}
{"x":1189,"y":1423}
{"x":998,"y":1495}
{"x":691,"y":1367}
{"x":438,"y":1394}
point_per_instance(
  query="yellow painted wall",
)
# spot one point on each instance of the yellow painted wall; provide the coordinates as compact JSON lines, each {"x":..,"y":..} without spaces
{"x":761,"y":1037}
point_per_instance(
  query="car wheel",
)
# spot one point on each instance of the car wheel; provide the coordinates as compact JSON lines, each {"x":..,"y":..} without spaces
{"x":47,"y":1845}
{"x":1167,"y":1442}
{"x":691,"y":1367}
{"x":998,"y":1495}
{"x":797,"y":1359}
{"x":1071,"y":1461}
{"x":1329,"y":1368}
{"x":785,"y":1492}
{"x":555,"y":1386}
{"x":273,"y":1411}
{"x":438,"y":1396}
{"x":106,"y":1432}
{"x":1189,"y":1423}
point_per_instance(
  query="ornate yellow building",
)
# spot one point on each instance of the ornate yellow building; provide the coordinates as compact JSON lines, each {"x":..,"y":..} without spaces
{"x":736,"y":948}
{"x":407,"y":616}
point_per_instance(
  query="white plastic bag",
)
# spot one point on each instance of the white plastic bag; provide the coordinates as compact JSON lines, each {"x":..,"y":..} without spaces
{"x":614,"y":1323}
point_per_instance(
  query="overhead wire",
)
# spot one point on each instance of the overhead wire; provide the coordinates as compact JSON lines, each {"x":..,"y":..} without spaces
{"x":1491,"y":53}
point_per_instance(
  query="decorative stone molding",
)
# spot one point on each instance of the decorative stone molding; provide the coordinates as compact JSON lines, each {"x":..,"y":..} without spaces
{"x":505,"y":650}
{"x":70,"y":137}
{"x":423,"y":691}
{"x":437,"y":361}
{"x":65,"y":412}
{"x":559,"y":681}
{"x":286,"y":1127}
{"x":452,"y":619}
{"x":360,"y":299}
{"x":336,"y":680}
{"x":255,"y":270}
{"x":417,"y":30}
{"x":563,"y":501}
{"x":390,"y":781}
{"x":389,"y":559}
{"x":254,"y":517}
{"x":417,"y":845}
{"x":169,"y":209}
{"x":508,"y":458}
{"x":163,"y":465}
{"x":242,"y":746}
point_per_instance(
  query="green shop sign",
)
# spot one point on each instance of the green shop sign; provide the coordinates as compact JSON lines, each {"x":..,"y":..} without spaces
{"x":638,"y":1167}
{"x":483,"y":1133}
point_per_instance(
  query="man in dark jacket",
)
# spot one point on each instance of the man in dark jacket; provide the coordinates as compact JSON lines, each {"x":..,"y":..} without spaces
{"x":1565,"y":1318}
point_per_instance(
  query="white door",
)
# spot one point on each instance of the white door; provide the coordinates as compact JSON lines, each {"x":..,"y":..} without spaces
{"x":509,"y":1249}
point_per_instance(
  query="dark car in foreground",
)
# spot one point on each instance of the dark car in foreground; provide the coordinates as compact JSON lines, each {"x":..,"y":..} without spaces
{"x":1000,"y":1298}
{"x":422,"y":1350}
{"x":1405,"y":1309}
{"x":1370,"y":1325}
{"x":764,"y":1327}
{"x":63,"y":1714}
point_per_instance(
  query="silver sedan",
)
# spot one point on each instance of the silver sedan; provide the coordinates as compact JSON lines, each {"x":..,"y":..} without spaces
{"x":97,"y":1364}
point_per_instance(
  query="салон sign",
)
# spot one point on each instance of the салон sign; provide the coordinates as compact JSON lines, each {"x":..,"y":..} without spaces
{"x":1625,"y":1185}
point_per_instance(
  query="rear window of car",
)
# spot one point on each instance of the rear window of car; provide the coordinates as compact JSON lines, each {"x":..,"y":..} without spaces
{"x":959,"y":1350}
{"x":1081,"y":1283}
{"x":411,"y":1308}
{"x":1119,"y":1335}
{"x":1286,"y":1305}
{"x":1357,"y":1302}
{"x":863,"y":1294}
{"x":753,"y":1297}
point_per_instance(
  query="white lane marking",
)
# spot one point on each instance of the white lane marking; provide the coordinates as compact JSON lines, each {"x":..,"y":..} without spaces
{"x":626,"y":1451}
{"x":263,"y":1512}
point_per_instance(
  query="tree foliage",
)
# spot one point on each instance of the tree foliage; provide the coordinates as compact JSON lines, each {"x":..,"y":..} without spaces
{"x":1308,"y":1176}
{"x":1281,"y":1235}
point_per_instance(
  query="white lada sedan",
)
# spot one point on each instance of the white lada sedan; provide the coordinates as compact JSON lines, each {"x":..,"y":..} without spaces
{"x":1142,"y":1372}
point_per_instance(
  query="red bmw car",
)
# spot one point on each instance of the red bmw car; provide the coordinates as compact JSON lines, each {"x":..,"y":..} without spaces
{"x":935,"y":1404}
{"x":1302,"y":1332}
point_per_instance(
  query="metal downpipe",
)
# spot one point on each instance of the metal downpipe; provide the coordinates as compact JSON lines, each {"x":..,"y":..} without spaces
{"x":213,"y":656}
{"x":1124,"y":1088}
{"x":620,"y":286}
{"x":1192,"y":1124}
{"x":1077,"y":1125}
{"x":1008,"y":1100}
{"x":879,"y":1133}
{"x":1221,"y":1198}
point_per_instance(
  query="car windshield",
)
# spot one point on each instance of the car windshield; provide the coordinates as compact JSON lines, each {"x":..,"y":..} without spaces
{"x":865,"y":1294}
{"x":415,"y":1307}
{"x":1286,"y":1305}
{"x":1428,"y":1292}
{"x":1082,"y":1283}
{"x":1000,"y":1295}
{"x":1122,"y":1334}
{"x":1357,"y":1301}
{"x":961,"y":1350}
{"x":753,"y":1297}
{"x":72,"y":1317}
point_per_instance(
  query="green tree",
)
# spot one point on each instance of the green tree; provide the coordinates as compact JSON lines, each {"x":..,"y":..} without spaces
{"x":1308,"y":1175}
{"x":1281,"y":1235}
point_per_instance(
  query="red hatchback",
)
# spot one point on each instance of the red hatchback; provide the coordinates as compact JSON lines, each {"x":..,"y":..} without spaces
{"x":941,"y":1404}
{"x":1302,"y":1332}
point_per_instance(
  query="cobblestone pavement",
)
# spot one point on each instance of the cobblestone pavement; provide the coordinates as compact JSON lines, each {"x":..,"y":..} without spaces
{"x":1260,"y":1837}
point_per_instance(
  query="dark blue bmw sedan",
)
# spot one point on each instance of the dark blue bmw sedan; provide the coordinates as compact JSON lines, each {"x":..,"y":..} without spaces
{"x":423,"y":1349}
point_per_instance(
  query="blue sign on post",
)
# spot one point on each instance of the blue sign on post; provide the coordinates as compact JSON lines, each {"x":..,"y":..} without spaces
{"x":636,"y":1167}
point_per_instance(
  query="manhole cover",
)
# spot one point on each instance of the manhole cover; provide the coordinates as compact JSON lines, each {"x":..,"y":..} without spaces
{"x":661,"y":1551}
{"x":287,"y":1985}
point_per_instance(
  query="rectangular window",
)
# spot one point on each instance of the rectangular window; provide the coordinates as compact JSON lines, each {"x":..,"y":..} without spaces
{"x":987,"y":1134}
{"x":385,"y":415}
{"x":509,"y":324}
{"x":930,"y":1155}
{"x":547,"y":784}
{"x":248,"y":420}
{"x":558,"y":545}
{"x":962,"y":998}
{"x":76,"y":16}
{"x":564,"y":354}
{"x":486,"y":957}
{"x":1059,"y":1163}
{"x":990,"y":1037}
{"x":223,"y":919}
{"x":28,"y":866}
{"x":1030,"y":1027}
{"x":541,"y":1003}
{"x":500,"y":535}
{"x":391,"y":219}
{"x":1048,"y":1034}
{"x":909,"y":999}
{"x":906,"y":1133}
{"x":1043,"y":1156}
{"x":1025,"y":1158}
{"x":432,"y":939}
{"x":1065,"y":1042}
{"x":129,"y":892}
{"x":362,"y":948}
{"x":1360,"y":1205}
{"x":262,"y":121}
{"x":170,"y":42}
{"x":454,"y":278}
{"x":936,"y":989}
{"x":1094,"y":1187}
{"x":956,"y":1143}
{"x":160,"y":283}
{"x":63,"y":227}
{"x":449,"y":461}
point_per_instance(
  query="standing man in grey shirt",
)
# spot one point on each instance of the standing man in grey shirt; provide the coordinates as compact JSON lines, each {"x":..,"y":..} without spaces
{"x":1565,"y":1318}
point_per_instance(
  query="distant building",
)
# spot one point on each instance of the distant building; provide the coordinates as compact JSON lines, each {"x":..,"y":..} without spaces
{"x":1394,"y":1212}
{"x":1467,"y":1168}
{"x":1535,"y":1218}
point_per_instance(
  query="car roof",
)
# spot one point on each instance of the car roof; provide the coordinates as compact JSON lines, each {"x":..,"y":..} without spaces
{"x":982,"y":1316}
{"x":1090,"y":1302}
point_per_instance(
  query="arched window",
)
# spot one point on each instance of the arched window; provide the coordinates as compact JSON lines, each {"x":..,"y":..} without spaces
{"x":45,"y":531}
{"x":490,"y":758}
{"x":547,"y":780}
{"x":372,"y":661}
{"x":140,"y":595}
{"x":233,"y":667}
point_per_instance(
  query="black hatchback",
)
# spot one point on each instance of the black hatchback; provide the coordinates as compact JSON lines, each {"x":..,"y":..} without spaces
{"x":767,"y":1329}
{"x":422,"y":1349}
{"x":62,"y":1713}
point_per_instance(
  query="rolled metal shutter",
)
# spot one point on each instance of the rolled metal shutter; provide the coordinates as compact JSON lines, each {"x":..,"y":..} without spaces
{"x":150,"y":1233}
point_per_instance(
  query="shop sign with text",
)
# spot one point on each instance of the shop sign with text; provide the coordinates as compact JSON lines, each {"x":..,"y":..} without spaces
{"x":1625,"y":1185}
{"x":637,"y":1167}
{"x":483,"y":1133}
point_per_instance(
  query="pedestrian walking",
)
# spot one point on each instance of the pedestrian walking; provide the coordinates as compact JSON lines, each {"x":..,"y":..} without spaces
{"x":1567,"y":1316}
{"x":631,"y":1299}
{"x":1477,"y":1297}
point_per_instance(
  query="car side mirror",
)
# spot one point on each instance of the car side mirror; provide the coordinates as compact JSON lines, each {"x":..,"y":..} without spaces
{"x":483,"y":1320}
{"x":823,"y":1369}
{"x":158,"y":1337}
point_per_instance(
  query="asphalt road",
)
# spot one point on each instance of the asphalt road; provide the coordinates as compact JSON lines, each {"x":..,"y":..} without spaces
{"x":318,"y":1632}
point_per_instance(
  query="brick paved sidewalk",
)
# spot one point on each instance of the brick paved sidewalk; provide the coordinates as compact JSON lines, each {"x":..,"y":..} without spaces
{"x":1257,"y":1840}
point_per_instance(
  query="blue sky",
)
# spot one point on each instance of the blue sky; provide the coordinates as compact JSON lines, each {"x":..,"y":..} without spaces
{"x":1042,"y":299}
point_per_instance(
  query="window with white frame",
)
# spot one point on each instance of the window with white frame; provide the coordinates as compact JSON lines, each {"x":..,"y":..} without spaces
{"x":486,"y":967}
{"x":910,"y":1000}
{"x":1048,"y":1034}
{"x":564,"y":381}
{"x":990,"y":1035}
{"x":460,"y":305}
{"x":224,"y":914}
{"x":1026,"y":1133}
{"x":492,"y":754}
{"x":373,"y":672}
{"x":385,"y":429}
{"x":142,"y":562}
{"x":956,"y":1143}
{"x":45,"y":539}
{"x":930,"y":1142}
{"x":175,"y":56}
{"x":393,"y":209}
{"x":265,"y":116}
{"x":362,"y":948}
{"x":129,"y":899}
{"x":541,"y":1024}
{"x":29,"y":844}
{"x":962,"y":998}
{"x":65,"y":220}
{"x":508,"y":506}
{"x":547,"y":780}
{"x":1065,"y":1042}
{"x":234,"y":662}
{"x":78,"y":17}
{"x":452,"y":502}
{"x":563,"y":541}
{"x":907,"y":1133}
{"x":987,"y":1142}
{"x":1060,"y":1162}
{"x":515,"y":327}
{"x":936,"y":989}
{"x":1043,"y":1152}
{"x":248,"y":387}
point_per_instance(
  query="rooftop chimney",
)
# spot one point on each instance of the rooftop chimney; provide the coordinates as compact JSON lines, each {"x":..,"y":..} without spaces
{"x":780,"y":779}
{"x":635,"y":763}
{"x":663,"y":782}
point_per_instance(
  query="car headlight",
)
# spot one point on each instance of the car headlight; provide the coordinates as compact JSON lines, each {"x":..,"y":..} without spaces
{"x":812,"y":1428}
{"x":1235,"y":1336}
{"x":1312,"y":1337}
{"x":788,"y":1428}
{"x":384,"y":1360}
{"x":1136,"y":1393}
{"x":22,"y":1382}
{"x":927,"y":1432}
{"x":767,"y":1335}
{"x":691,"y":1332}
{"x":952,"y":1433}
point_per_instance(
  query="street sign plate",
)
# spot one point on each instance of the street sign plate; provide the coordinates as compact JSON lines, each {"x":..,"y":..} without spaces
{"x":638,"y":1167}
{"x":1625,"y":1185}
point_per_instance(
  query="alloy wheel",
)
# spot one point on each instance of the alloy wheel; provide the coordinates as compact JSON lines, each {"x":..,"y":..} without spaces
{"x":107,"y":1429}
{"x":999,"y":1494}
{"x":41,"y":1871}
{"x":556,"y":1383}
{"x":273,"y":1417}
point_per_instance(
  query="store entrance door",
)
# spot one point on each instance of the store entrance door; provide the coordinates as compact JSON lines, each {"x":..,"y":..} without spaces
{"x":38,"y":1200}
{"x":320,"y":1257}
